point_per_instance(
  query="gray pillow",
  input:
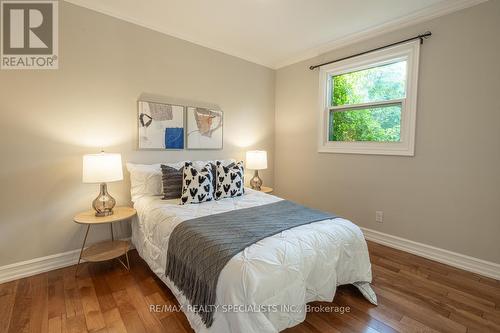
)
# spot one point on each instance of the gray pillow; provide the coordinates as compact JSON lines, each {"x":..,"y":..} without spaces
{"x":172,"y":182}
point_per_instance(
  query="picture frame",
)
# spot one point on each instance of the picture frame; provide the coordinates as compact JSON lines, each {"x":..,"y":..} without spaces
{"x":204,"y":128}
{"x":161,"y":126}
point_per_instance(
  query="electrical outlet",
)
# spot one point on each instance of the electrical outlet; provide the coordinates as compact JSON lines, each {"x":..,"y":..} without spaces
{"x":379,"y":216}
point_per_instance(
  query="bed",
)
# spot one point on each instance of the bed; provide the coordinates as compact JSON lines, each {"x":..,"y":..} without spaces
{"x":280,"y":273}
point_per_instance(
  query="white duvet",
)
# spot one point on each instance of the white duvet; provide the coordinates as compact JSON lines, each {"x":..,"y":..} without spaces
{"x":291,"y":268}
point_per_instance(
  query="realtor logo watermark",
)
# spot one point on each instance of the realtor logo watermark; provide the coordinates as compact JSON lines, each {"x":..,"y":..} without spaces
{"x":29,"y":35}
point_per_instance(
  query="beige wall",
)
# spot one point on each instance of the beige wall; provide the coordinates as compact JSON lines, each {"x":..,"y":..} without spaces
{"x":448,"y":194}
{"x":49,"y":119}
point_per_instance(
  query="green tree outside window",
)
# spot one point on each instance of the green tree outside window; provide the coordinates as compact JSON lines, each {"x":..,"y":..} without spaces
{"x":377,"y":123}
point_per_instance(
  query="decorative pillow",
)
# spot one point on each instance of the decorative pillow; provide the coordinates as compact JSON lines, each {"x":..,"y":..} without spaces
{"x":146,"y":179}
{"x":201,"y":164}
{"x":197,"y":184}
{"x":172,"y":182}
{"x":229,"y":180}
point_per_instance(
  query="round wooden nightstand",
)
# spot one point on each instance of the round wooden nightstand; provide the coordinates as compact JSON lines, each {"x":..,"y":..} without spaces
{"x":265,"y":189}
{"x":106,"y":250}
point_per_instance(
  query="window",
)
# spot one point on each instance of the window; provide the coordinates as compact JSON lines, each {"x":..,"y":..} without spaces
{"x":368,"y":103}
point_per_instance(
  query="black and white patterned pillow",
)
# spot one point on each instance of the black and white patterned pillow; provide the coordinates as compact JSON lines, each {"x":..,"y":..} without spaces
{"x":197,"y":184}
{"x":230,"y":182}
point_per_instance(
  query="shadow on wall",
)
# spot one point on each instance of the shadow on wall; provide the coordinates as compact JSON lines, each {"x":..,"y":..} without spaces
{"x":42,"y":190}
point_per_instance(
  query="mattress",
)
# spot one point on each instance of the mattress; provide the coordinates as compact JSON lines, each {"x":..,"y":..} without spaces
{"x":265,"y":287}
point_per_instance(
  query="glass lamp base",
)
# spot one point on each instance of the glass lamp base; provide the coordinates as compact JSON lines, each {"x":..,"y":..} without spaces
{"x":104,"y":203}
{"x":105,"y":213}
{"x":256,"y":182}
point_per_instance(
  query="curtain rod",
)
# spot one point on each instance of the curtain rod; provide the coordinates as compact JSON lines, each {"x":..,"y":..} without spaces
{"x":423,"y":36}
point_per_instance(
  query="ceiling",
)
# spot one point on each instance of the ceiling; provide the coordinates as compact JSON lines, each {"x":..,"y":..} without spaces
{"x":274,"y":33}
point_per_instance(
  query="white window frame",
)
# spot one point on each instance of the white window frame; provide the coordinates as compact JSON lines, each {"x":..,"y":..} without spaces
{"x":406,"y":146}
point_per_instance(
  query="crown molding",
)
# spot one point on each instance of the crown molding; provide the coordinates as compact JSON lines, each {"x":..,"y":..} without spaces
{"x":225,"y":50}
{"x":426,"y":14}
{"x":431,"y":12}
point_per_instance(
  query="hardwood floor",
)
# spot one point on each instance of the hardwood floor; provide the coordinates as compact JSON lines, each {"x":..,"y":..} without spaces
{"x":415,"y":295}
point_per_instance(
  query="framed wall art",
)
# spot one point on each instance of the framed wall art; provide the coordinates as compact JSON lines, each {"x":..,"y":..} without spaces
{"x":204,"y":128}
{"x":161,"y":126}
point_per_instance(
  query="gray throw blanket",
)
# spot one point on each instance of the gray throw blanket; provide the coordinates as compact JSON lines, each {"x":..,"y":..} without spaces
{"x":198,"y":249}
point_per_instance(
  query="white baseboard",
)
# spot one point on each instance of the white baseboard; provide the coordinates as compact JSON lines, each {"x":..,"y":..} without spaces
{"x":471,"y":264}
{"x":44,"y":264}
{"x":35,"y":266}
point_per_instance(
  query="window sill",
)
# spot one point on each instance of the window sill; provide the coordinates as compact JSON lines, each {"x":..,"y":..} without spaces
{"x":396,"y":149}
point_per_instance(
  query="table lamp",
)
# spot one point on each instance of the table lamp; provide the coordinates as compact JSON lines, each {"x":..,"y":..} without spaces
{"x":101,"y":169}
{"x":256,"y":160}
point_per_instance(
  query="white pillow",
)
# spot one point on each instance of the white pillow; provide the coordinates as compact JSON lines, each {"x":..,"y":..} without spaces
{"x":145,"y":179}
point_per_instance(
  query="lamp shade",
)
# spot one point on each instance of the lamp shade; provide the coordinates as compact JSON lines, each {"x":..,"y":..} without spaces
{"x":256,"y":159}
{"x":102,"y":168}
